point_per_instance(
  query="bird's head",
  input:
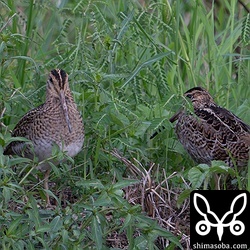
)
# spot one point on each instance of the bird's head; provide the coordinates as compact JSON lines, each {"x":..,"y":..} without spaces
{"x":58,"y":90}
{"x":199,"y":97}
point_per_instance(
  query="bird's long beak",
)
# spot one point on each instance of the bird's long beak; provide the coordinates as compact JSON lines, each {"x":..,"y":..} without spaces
{"x":65,"y":109}
{"x":176,"y":116}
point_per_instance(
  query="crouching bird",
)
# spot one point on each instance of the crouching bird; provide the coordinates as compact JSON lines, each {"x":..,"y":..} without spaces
{"x":212,"y":132}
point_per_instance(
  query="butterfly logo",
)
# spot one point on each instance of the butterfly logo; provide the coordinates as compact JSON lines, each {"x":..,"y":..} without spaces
{"x":203,"y":227}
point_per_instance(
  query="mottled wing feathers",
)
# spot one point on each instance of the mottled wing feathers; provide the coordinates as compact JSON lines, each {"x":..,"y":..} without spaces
{"x":218,"y":116}
{"x":191,"y":133}
{"x":23,"y":128}
{"x":207,"y":141}
{"x":212,"y":132}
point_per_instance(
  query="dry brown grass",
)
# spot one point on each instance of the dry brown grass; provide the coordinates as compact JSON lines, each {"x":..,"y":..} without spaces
{"x":157,"y":199}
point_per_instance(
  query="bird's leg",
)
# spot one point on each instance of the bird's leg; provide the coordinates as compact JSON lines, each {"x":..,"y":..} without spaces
{"x":46,"y":187}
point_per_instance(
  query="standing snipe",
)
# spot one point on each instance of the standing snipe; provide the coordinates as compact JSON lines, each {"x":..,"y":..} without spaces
{"x":212,"y":132}
{"x":57,"y":121}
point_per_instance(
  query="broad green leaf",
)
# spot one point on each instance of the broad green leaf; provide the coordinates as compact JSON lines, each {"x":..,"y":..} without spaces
{"x":125,"y":183}
{"x":96,"y":232}
{"x":65,"y":236}
{"x":90,"y":184}
{"x":44,"y":229}
{"x":13,"y":226}
{"x":196,"y":177}
{"x":183,"y":196}
{"x":56,"y":224}
{"x":18,"y":160}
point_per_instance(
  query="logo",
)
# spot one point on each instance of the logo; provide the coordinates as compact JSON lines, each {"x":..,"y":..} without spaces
{"x":219,"y":217}
{"x":203,"y":227}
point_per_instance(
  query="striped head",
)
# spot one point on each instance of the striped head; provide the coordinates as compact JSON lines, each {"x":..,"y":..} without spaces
{"x":58,"y":89}
{"x":200,"y":98}
{"x":57,"y":82}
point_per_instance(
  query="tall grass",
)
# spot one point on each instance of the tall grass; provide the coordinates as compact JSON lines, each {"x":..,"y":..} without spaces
{"x":129,"y":63}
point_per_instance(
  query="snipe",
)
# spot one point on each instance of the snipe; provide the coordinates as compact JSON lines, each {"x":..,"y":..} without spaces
{"x":57,"y":121}
{"x":212,"y":132}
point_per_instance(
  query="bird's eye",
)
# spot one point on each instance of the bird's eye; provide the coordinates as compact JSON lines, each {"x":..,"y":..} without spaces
{"x":189,"y":96}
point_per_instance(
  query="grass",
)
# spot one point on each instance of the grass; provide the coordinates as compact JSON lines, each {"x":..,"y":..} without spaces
{"x":129,"y":62}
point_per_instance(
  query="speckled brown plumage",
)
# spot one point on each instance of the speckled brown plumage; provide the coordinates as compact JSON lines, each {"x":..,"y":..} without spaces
{"x":212,"y":132}
{"x":57,"y":121}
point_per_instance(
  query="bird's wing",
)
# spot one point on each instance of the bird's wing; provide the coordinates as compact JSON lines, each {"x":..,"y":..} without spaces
{"x":221,"y":118}
{"x":23,"y":129}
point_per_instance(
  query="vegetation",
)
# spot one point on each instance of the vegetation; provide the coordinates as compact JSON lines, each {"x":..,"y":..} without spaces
{"x":129,"y":63}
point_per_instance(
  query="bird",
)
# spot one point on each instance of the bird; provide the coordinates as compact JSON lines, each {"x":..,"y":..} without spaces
{"x":55,"y":122}
{"x":212,"y":132}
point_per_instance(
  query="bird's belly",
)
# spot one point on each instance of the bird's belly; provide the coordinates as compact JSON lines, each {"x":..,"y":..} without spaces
{"x":43,"y":150}
{"x":73,"y":148}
